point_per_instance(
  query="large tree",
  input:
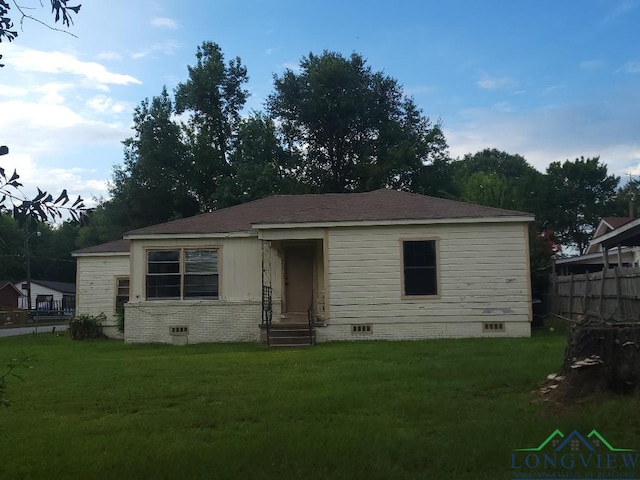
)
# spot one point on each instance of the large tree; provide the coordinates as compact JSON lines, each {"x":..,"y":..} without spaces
{"x":213,"y":98}
{"x":352,"y":128}
{"x":259,"y":164}
{"x":578,"y":195}
{"x":498,"y":179}
{"x":153,"y":185}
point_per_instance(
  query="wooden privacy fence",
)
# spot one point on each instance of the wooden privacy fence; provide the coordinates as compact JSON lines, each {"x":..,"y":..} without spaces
{"x":611,"y":295}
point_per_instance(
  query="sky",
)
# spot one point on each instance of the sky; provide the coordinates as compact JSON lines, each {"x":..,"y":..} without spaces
{"x":549,"y":80}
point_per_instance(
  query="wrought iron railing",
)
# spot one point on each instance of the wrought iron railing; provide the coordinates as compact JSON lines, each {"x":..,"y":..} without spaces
{"x":311,"y":318}
{"x":267,"y":309}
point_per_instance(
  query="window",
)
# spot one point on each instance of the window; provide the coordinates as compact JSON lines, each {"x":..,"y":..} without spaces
{"x":122,"y":292}
{"x":420,"y":269}
{"x":179,"y":274}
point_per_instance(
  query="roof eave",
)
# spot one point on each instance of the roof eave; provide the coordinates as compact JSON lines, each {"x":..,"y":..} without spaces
{"x":374,"y":223}
{"x":162,"y":236}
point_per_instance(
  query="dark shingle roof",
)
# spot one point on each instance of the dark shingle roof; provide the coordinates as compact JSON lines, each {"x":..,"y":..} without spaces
{"x":616,"y":222}
{"x":62,"y":287}
{"x":117,"y":246}
{"x":379,"y":205}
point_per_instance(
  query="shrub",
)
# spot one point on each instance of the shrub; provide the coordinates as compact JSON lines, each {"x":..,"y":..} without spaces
{"x":120,"y":318}
{"x":84,"y":327}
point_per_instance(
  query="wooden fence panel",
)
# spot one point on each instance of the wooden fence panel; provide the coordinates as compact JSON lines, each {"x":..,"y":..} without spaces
{"x":611,"y":295}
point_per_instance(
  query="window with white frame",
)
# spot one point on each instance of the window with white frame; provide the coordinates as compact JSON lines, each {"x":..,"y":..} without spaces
{"x":420,"y":273}
{"x":122,"y":292}
{"x":183,"y":273}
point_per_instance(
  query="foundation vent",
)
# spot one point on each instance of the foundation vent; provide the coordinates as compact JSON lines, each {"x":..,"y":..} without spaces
{"x":179,"y":330}
{"x":361,"y":329}
{"x":493,"y":327}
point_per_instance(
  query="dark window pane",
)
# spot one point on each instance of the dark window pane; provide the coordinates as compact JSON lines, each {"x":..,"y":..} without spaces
{"x":201,"y":261}
{"x":420,"y":274}
{"x":163,"y":261}
{"x":201,"y":286}
{"x":163,"y":286}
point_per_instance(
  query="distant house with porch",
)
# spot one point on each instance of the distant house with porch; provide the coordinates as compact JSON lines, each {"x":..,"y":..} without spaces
{"x":593,"y":259}
{"x":48,"y":296}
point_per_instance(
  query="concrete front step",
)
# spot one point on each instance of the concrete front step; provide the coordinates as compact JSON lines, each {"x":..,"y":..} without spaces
{"x":288,"y":335}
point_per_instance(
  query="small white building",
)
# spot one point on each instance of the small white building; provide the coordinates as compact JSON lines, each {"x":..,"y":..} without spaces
{"x":48,"y":296}
{"x":376,"y":265}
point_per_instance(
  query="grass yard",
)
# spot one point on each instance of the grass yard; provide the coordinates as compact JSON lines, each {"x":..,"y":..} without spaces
{"x":441,"y":409}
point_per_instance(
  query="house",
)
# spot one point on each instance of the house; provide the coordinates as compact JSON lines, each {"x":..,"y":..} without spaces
{"x":376,"y":265}
{"x":9,"y":296}
{"x":102,"y":277}
{"x":593,"y":258}
{"x":48,"y":296}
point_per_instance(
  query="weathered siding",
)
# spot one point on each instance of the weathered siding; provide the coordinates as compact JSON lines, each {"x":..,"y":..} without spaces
{"x":234,"y":317}
{"x":483,"y":275}
{"x":239,"y":267}
{"x":96,"y":282}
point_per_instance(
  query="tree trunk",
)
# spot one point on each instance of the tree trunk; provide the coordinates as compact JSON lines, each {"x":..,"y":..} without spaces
{"x":600,"y":359}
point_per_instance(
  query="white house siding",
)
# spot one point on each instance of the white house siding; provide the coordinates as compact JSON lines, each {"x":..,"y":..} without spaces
{"x":483,"y":277}
{"x":234,"y":317}
{"x":96,"y":283}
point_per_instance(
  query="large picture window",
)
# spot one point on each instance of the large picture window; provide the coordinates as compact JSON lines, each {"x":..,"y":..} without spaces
{"x":179,"y":274}
{"x":420,"y":270}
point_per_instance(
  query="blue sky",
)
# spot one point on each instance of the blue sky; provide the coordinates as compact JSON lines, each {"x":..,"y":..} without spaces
{"x":548,"y":80}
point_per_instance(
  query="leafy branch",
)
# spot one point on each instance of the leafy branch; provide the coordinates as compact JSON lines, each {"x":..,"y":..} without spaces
{"x":60,"y":8}
{"x":42,"y":207}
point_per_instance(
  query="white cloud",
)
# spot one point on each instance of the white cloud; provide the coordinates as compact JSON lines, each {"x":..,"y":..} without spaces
{"x":11,"y":91}
{"x":27,"y":60}
{"x":163,"y":22}
{"x":555,"y":133}
{"x":104,"y":104}
{"x":166,"y":48}
{"x":632,"y":67}
{"x":591,"y":65}
{"x":109,"y":56}
{"x":492,"y":83}
{"x":621,"y":9}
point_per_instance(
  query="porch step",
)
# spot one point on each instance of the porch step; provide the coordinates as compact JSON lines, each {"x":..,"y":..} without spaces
{"x":282,"y":335}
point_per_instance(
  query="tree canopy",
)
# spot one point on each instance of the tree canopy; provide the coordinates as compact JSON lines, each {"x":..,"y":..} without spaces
{"x":350,"y":128}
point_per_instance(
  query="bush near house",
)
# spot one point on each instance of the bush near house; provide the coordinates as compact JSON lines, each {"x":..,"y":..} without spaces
{"x":86,"y":327}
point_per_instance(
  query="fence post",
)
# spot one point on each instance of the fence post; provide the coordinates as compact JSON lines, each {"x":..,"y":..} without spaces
{"x":602,"y":279}
{"x":585,"y":302}
{"x":620,"y":305}
{"x":571,"y":295}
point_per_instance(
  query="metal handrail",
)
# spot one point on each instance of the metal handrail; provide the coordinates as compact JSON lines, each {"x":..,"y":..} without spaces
{"x":311,"y":320}
{"x":267,"y":309}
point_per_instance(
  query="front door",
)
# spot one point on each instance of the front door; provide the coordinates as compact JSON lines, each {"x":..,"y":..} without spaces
{"x":298,"y":278}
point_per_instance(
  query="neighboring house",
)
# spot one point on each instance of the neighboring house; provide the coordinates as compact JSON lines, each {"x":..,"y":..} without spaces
{"x":9,"y":296}
{"x":48,"y":296}
{"x":593,"y":260}
{"x":377,"y":265}
{"x":102,"y":276}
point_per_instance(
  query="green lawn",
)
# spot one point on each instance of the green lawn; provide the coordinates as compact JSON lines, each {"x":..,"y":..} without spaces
{"x":441,"y":409}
